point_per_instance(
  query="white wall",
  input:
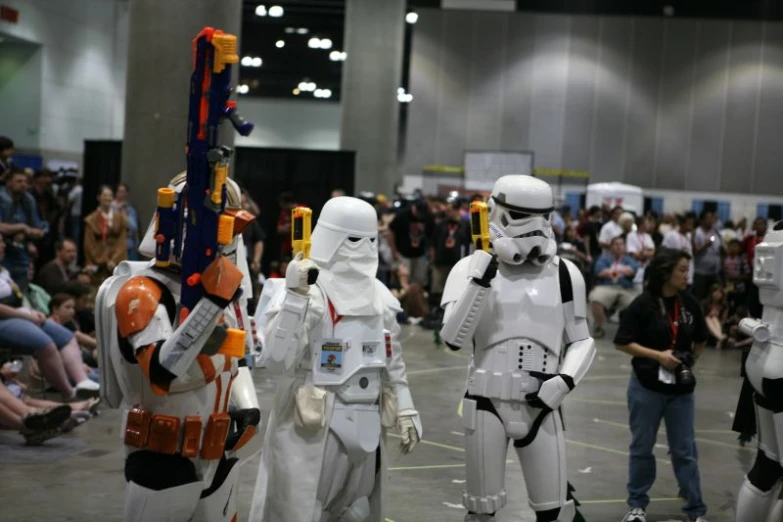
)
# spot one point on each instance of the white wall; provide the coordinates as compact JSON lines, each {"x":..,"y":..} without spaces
{"x":20,"y":92}
{"x":300,"y":124}
{"x":83,"y":50}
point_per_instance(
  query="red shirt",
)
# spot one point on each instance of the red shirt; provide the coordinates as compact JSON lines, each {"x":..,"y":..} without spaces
{"x":749,"y":244}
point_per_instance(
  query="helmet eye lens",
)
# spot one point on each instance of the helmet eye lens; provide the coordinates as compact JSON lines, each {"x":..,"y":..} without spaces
{"x":517,"y":215}
{"x":354,"y":239}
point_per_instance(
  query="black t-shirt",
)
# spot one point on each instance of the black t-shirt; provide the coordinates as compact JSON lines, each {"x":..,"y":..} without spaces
{"x":252,"y":234}
{"x":644,"y":323}
{"x":452,"y":241}
{"x":592,"y":230}
{"x":411,"y":234}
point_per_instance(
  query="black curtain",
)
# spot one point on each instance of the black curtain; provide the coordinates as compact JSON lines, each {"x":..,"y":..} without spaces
{"x":101,"y":166}
{"x":309,"y":176}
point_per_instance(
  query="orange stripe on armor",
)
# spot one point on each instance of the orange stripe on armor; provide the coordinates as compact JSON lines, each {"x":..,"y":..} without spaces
{"x":207,"y":367}
{"x":228,"y":393}
{"x":136,"y":304}
{"x":144,"y":358}
{"x":246,"y":437}
{"x":222,"y":278}
{"x":218,"y":391}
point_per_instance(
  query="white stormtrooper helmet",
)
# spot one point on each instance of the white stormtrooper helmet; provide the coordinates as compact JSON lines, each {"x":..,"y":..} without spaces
{"x":345,"y":248}
{"x":768,"y":267}
{"x":520,"y":209}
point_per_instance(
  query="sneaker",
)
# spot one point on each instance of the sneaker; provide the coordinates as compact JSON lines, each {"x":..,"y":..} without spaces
{"x":87,"y":389}
{"x":635,"y":515}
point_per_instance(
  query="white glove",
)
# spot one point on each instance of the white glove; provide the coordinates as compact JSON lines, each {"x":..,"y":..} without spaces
{"x":298,"y":274}
{"x":551,"y":393}
{"x":408,"y":432}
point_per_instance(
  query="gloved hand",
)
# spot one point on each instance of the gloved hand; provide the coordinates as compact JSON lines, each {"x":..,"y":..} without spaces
{"x":300,"y":274}
{"x":552,"y":392}
{"x":408,"y":432}
{"x":483,"y":268}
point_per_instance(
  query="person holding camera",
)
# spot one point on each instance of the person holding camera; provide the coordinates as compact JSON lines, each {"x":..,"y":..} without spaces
{"x":665,"y":331}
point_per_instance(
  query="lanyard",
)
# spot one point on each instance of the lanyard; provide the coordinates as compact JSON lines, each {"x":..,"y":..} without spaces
{"x":674,"y":320}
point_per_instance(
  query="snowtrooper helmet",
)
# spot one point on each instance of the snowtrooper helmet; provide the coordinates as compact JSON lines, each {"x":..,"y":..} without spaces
{"x":347,"y":231}
{"x":520,"y":210}
{"x":768,"y":267}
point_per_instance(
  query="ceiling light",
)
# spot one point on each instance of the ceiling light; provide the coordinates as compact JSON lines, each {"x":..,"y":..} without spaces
{"x":326,"y":43}
{"x":314,"y":43}
{"x":302,"y":86}
{"x":289,"y":30}
{"x":303,"y":30}
{"x":261,"y":10}
{"x":311,"y":86}
{"x":243,"y":89}
{"x":335,"y":56}
{"x":280,"y":44}
{"x":276,"y":11}
{"x":257,"y":62}
{"x":404,"y":98}
{"x":343,"y":56}
{"x":411,"y":17}
{"x":401,"y":90}
{"x":318,"y":93}
{"x":668,"y":10}
{"x":247,"y":61}
{"x":296,"y":91}
{"x":327,"y":93}
{"x":408,"y":98}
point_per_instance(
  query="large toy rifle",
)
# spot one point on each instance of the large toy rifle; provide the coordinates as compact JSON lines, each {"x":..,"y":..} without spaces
{"x":207,"y":227}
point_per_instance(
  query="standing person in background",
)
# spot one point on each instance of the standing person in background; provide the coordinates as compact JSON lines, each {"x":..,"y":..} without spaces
{"x":284,"y":224}
{"x":664,"y":331}
{"x":737,"y":275}
{"x":450,"y":244}
{"x":591,"y":230}
{"x":49,"y":212}
{"x":253,"y":236}
{"x":680,"y":239}
{"x":6,"y":151}
{"x":20,"y":225}
{"x":611,"y":229}
{"x":749,"y":245}
{"x":707,"y":251}
{"x":409,"y":235}
{"x":641,"y":247}
{"x":75,"y":209}
{"x":124,"y":207}
{"x":105,"y":233}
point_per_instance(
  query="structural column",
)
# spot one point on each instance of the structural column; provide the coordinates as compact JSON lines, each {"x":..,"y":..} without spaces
{"x":374,"y":37}
{"x":160,"y":62}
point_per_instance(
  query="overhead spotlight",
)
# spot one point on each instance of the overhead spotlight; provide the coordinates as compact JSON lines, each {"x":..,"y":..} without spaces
{"x":335,"y":56}
{"x":411,"y":17}
{"x":257,"y":62}
{"x":404,"y":98}
{"x":408,"y":98}
{"x":261,"y":10}
{"x":326,"y":43}
{"x":327,"y":93}
{"x":280,"y":44}
{"x":302,"y":86}
{"x":303,"y":30}
{"x":343,"y":56}
{"x":668,"y":10}
{"x":311,"y":86}
{"x":247,"y":61}
{"x":296,"y":91}
{"x":276,"y":11}
{"x":318,"y":93}
{"x":314,"y":43}
{"x":290,"y":30}
{"x":243,"y":89}
{"x":401,"y":90}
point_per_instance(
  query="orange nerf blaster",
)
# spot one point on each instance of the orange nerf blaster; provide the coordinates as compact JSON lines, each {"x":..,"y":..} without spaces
{"x":479,"y":225}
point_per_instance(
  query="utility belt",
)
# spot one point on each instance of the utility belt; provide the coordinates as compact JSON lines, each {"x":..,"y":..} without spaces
{"x":172,"y":435}
{"x":507,"y":386}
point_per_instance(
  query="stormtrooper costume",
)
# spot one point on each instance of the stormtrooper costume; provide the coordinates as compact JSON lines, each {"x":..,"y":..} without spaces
{"x":515,"y":308}
{"x":757,"y":498}
{"x":183,"y":447}
{"x":344,"y":382}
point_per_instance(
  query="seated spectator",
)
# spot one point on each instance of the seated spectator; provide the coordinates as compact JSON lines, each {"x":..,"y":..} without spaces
{"x":105,"y":233}
{"x":614,"y":273}
{"x":20,"y":225}
{"x":36,"y":297}
{"x":36,"y":425}
{"x":641,"y":247}
{"x":63,"y":312}
{"x":27,"y":332}
{"x":410,"y":295}
{"x":716,"y":313}
{"x":55,"y":274}
{"x":574,"y":249}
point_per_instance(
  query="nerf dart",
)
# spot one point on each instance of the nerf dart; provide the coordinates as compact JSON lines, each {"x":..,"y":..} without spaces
{"x":479,"y":225}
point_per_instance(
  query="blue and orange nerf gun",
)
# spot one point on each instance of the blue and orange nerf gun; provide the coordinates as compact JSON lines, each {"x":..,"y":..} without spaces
{"x":200,"y":208}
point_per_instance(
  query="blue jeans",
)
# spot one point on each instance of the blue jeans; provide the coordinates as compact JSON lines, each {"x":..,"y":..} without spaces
{"x":647,"y":408}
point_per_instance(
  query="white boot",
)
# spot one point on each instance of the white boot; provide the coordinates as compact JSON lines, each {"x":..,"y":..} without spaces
{"x":754,"y":505}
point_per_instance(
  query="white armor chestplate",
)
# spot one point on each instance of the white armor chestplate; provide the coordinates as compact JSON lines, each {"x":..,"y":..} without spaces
{"x":521,"y":330}
{"x":765,"y":359}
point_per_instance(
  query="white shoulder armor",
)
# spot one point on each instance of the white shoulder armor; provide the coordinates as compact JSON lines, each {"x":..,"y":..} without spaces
{"x":389,"y":301}
{"x":457,"y":282}
{"x":578,"y":288}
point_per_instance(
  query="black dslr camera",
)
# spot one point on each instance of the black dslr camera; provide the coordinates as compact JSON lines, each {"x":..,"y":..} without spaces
{"x":683,"y":373}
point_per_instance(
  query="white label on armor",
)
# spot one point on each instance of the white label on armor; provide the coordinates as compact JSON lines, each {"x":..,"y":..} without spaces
{"x":332,"y":356}
{"x":368,"y":349}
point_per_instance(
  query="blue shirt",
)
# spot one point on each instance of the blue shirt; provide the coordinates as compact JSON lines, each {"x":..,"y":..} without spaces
{"x":606,"y":261}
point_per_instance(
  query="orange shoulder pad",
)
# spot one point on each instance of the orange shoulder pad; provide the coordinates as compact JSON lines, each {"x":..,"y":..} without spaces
{"x":242,"y":218}
{"x":136,"y":303}
{"x":222,"y":278}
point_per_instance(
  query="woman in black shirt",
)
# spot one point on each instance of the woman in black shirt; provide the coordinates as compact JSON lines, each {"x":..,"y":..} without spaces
{"x":664,"y":330}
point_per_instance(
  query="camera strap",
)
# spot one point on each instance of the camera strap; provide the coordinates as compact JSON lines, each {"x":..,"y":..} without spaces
{"x":674,"y":320}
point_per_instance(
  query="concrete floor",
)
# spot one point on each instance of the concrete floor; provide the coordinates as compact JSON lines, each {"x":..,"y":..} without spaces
{"x":80,"y":476}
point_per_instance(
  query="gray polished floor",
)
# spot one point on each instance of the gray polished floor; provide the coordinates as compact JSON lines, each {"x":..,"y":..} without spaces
{"x":79,"y":477}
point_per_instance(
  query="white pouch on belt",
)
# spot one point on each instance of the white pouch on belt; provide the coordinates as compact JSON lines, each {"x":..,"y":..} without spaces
{"x":388,"y":408}
{"x":310,"y":407}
